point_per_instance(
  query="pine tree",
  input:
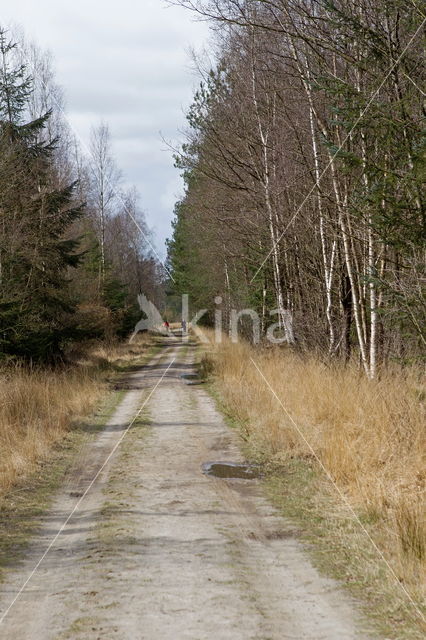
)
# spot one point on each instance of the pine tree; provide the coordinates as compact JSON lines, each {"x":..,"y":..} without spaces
{"x":35,"y":214}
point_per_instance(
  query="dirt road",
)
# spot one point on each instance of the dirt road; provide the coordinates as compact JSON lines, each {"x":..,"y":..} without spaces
{"x":155,"y":550}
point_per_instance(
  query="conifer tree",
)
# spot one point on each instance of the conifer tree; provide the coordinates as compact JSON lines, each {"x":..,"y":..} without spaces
{"x":35,"y":254}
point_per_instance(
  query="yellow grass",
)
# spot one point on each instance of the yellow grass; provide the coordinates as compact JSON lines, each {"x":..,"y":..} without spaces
{"x":369,"y":436}
{"x":38,"y":407}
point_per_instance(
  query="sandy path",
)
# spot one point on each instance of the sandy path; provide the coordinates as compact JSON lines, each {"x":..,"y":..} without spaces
{"x":157,"y":551}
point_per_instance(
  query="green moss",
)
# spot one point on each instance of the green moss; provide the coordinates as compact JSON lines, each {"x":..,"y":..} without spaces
{"x":115,"y":528}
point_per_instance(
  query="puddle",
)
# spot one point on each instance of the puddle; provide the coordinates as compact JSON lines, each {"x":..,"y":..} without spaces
{"x":230,"y":470}
{"x":191,"y":378}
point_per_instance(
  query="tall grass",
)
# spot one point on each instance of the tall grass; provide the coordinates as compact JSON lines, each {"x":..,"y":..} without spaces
{"x":38,"y":407}
{"x":369,"y":435}
{"x":36,"y":410}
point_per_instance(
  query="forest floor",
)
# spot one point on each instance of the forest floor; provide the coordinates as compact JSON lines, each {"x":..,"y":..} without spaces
{"x":140,"y":544}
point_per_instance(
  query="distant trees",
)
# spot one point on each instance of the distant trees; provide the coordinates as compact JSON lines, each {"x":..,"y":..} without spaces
{"x":72,"y":260}
{"x":105,"y":181}
{"x":304,"y":168}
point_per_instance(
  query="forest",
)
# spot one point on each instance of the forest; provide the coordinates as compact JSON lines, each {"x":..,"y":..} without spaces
{"x":304,"y":171}
{"x":75,"y":249}
{"x":298,"y":243}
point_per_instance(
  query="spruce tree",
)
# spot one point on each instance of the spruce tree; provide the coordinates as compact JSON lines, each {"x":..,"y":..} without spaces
{"x":35,"y":215}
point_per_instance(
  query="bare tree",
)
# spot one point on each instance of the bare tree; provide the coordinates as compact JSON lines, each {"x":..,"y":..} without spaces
{"x":105,"y":181}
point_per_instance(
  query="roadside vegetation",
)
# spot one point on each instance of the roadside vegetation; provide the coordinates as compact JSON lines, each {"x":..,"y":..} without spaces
{"x":39,"y":407}
{"x":345,"y":457}
{"x":46,"y":419}
{"x":303,"y":223}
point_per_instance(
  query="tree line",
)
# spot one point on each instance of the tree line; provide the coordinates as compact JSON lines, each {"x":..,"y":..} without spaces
{"x":74,"y":245}
{"x":304,"y":171}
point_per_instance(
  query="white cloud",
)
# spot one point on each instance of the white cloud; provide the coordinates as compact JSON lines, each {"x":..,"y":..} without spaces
{"x":125,"y":62}
{"x":171,"y":193}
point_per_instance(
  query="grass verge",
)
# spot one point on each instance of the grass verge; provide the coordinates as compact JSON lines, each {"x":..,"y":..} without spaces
{"x":115,"y":529}
{"x":24,"y":500}
{"x":370,"y":438}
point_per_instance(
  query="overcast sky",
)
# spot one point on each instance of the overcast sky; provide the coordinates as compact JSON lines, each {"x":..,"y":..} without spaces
{"x":126,"y":62}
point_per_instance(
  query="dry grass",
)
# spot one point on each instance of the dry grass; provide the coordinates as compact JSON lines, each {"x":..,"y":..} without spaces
{"x":38,"y":407}
{"x":370,"y":437}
